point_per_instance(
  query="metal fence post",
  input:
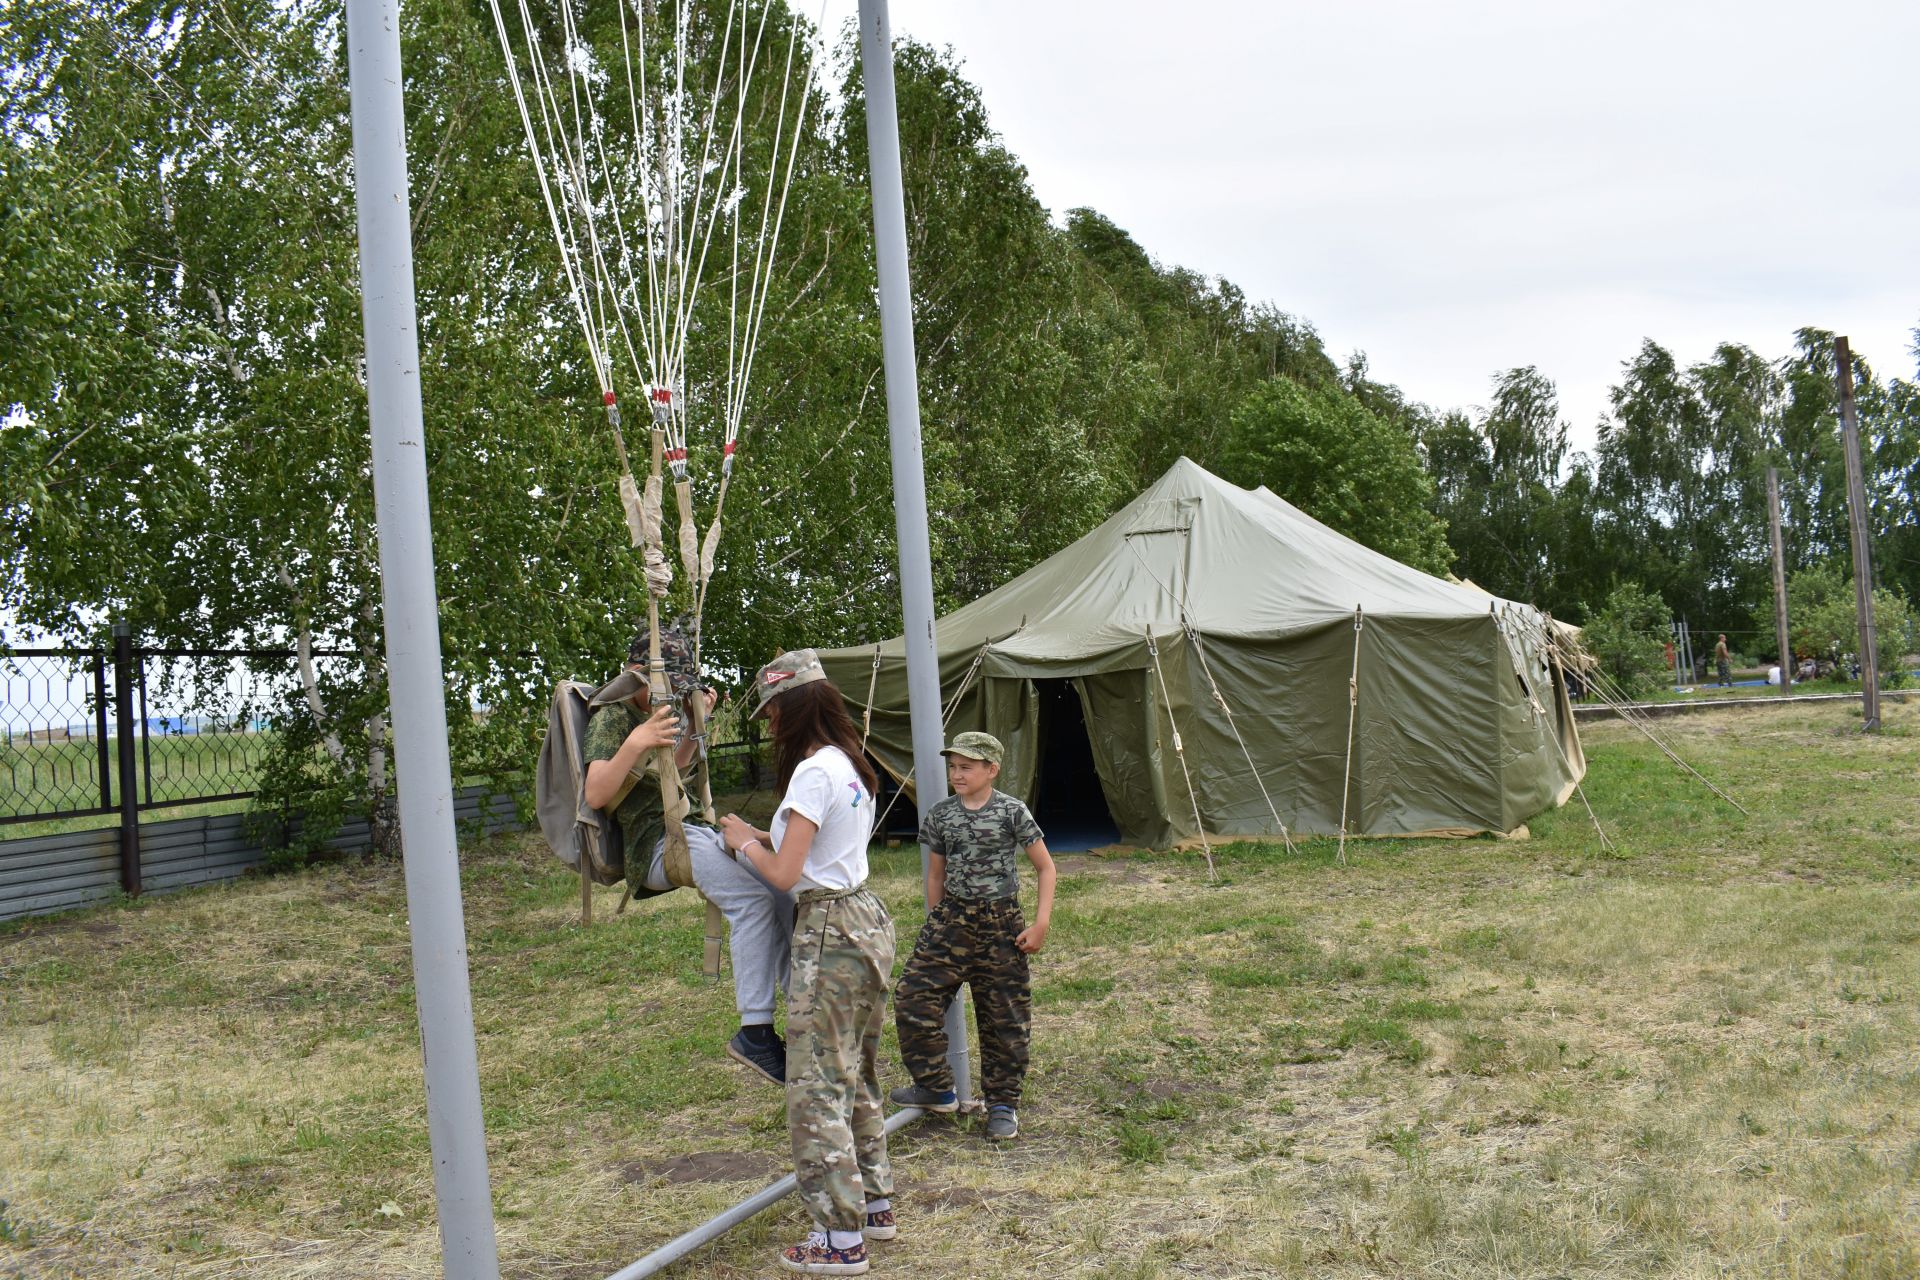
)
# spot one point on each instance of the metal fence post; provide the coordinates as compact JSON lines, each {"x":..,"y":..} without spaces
{"x":104,"y":762}
{"x":129,"y":782}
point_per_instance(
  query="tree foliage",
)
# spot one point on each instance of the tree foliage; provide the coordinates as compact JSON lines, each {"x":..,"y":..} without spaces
{"x":186,"y":439}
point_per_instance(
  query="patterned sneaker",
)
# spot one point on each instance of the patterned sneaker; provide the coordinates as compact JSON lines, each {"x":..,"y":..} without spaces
{"x":815,"y":1257}
{"x":912,"y":1095}
{"x":1003,"y":1122}
{"x":881,"y":1226}
{"x":764,"y":1051}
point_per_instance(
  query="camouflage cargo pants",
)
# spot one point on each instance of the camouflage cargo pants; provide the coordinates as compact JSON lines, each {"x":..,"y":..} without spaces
{"x":836,"y":1009}
{"x":968,"y":940}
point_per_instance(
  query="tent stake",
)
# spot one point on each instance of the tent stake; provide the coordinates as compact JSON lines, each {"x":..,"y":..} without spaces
{"x":1166,"y":700}
{"x":1353,"y":709}
{"x":712,"y":1229}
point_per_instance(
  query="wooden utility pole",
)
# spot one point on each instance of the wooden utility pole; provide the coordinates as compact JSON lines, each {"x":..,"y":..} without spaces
{"x":1779,"y":581}
{"x":1862,"y":552}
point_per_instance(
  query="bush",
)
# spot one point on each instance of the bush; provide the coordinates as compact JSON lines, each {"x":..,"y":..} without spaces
{"x":1824,"y":621}
{"x":1625,"y":636}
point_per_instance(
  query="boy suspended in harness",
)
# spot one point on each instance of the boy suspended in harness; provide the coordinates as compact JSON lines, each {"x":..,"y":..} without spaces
{"x":974,"y":934}
{"x":620,"y":737}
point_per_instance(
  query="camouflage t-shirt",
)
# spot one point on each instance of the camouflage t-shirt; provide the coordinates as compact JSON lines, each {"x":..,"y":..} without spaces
{"x":982,"y":846}
{"x":642,"y":818}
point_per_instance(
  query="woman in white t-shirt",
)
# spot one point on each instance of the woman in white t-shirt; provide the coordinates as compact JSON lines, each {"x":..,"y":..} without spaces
{"x":842,"y":960}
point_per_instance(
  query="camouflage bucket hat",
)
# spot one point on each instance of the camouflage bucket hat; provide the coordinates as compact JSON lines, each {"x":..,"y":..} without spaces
{"x":788,"y":671}
{"x":676,"y":651}
{"x":976,"y":746}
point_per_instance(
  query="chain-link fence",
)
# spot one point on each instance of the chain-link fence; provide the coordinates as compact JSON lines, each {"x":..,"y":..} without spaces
{"x":198,"y":720}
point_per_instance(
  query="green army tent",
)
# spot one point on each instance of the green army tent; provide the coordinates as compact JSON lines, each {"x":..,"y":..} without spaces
{"x":1225,"y":626}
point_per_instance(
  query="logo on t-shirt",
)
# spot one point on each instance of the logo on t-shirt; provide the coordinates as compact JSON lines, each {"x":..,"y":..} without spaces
{"x":855,"y":788}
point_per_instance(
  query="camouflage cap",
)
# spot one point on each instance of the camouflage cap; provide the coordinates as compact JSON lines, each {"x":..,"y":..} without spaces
{"x":676,"y":651}
{"x":976,"y":746}
{"x":788,"y":671}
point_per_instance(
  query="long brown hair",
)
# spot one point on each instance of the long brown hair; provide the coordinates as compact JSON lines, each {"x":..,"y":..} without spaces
{"x":815,"y":715}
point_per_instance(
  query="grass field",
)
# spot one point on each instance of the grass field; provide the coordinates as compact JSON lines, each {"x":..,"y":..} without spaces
{"x":1697,"y":1057}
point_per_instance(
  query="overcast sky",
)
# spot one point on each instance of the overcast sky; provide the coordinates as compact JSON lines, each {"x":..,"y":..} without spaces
{"x":1457,"y":189}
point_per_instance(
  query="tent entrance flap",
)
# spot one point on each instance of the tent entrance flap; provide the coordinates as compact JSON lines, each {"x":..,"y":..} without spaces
{"x":1067,"y":799}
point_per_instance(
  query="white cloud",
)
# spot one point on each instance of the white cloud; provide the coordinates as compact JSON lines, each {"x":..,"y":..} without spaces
{"x":1458,"y":189}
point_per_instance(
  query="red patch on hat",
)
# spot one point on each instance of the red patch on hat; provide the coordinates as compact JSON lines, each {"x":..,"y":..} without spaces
{"x":775,"y":677}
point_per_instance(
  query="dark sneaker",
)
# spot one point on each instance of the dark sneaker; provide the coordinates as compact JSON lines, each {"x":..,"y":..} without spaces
{"x":1003,"y":1122}
{"x":764,"y":1051}
{"x":880,"y":1226}
{"x":815,"y":1257}
{"x":912,"y":1095}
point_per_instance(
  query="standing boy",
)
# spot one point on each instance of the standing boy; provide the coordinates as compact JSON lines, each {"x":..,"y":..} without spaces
{"x":974,"y":934}
{"x":1723,"y":661}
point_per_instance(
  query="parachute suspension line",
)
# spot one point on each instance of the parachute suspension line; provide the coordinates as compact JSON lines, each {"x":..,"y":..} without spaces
{"x":1194,"y":638}
{"x":764,"y":250}
{"x":1166,"y":700}
{"x":1353,"y":708}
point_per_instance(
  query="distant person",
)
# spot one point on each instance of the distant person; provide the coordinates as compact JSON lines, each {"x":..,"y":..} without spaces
{"x":621,"y":739}
{"x":1723,"y":661}
{"x":842,"y":955}
{"x":1808,"y":670}
{"x":974,"y":934}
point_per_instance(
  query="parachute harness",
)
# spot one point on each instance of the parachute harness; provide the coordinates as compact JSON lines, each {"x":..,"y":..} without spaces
{"x":635,"y":193}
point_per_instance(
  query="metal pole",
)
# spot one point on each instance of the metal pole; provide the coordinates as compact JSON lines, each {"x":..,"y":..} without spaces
{"x":422,"y":770}
{"x":129,"y":780}
{"x":712,"y":1229}
{"x":1779,"y":581}
{"x":103,"y":762}
{"x":903,"y":429}
{"x":1862,"y":551}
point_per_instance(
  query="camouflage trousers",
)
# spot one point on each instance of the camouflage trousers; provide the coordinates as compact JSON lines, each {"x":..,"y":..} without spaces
{"x":968,"y":940}
{"x":836,"y":1009}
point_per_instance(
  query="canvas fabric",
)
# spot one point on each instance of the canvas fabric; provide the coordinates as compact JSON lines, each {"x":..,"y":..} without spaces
{"x":843,"y":951}
{"x":969,"y":942}
{"x":982,"y":847}
{"x":1462,"y":723}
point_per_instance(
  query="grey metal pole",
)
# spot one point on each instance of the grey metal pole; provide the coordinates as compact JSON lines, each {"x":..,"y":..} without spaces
{"x":1862,"y":550}
{"x":1779,"y":580}
{"x":423,"y":773}
{"x":712,"y":1229}
{"x":903,"y":429}
{"x":129,"y":778}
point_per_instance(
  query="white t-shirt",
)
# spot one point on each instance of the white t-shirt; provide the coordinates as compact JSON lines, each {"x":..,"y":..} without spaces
{"x":827,"y":791}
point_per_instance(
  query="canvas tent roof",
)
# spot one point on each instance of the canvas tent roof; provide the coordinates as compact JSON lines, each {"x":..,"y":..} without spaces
{"x":1457,"y":726}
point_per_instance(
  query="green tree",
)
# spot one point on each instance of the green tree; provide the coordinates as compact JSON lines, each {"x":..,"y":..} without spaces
{"x":1321,"y":450}
{"x":1626,"y":634}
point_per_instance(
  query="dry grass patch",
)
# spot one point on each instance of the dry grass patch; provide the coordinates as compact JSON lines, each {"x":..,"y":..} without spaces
{"x":1695,"y":1057}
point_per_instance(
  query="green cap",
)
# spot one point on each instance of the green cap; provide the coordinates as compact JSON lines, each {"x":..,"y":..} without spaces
{"x":788,"y":671}
{"x":976,"y":746}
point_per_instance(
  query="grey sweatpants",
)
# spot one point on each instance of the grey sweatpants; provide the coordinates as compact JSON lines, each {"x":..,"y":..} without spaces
{"x":759,"y":918}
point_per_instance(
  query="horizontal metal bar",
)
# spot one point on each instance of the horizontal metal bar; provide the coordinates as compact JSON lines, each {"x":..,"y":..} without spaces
{"x":243,"y":653}
{"x":174,"y":804}
{"x":54,"y":815}
{"x":668,"y":1254}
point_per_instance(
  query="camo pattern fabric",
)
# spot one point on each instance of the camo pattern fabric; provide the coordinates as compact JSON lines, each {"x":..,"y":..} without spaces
{"x":641,"y":816}
{"x":971,"y":942}
{"x":843,"y":949}
{"x":982,"y":846}
{"x":676,"y":652}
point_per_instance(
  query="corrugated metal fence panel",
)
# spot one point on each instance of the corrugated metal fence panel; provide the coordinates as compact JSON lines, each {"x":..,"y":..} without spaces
{"x":40,"y":874}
